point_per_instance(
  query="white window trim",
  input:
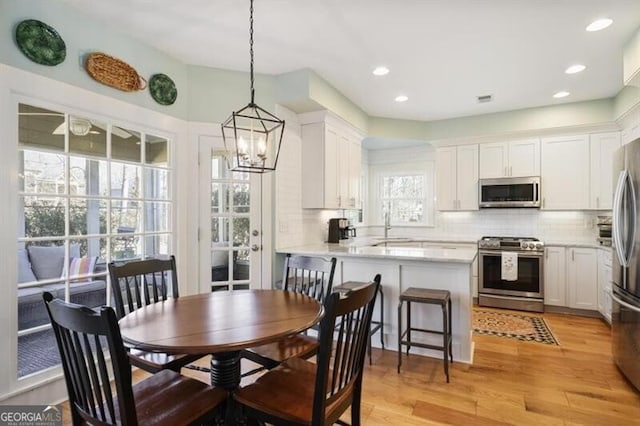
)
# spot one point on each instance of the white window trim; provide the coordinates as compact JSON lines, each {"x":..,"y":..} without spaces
{"x":18,"y":86}
{"x":379,"y":171}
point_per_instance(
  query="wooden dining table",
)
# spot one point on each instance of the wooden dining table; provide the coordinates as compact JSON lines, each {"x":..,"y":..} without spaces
{"x":220,"y":324}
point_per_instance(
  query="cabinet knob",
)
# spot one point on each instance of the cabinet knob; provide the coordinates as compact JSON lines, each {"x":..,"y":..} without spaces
{"x":255,"y":247}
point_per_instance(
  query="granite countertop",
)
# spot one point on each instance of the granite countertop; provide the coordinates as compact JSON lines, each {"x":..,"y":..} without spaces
{"x":430,"y":254}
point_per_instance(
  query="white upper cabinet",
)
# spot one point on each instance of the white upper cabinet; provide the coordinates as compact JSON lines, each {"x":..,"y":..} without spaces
{"x":565,"y":173}
{"x":457,"y":177}
{"x":331,"y":164}
{"x":510,"y":159}
{"x":603,"y":147}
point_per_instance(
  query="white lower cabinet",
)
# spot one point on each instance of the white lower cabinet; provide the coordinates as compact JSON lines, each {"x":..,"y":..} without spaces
{"x":555,"y":282}
{"x":604,"y":283}
{"x":574,"y":278}
{"x":582,"y":278}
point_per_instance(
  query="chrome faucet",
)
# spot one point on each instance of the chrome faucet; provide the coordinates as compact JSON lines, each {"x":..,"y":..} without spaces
{"x":387,"y":224}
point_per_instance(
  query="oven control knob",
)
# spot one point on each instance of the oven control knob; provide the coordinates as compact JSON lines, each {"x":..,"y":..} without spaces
{"x":525,"y":245}
{"x":538,"y":245}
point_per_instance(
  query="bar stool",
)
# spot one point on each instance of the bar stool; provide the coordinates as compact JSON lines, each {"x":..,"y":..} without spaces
{"x":433,"y":297}
{"x":375,"y":325}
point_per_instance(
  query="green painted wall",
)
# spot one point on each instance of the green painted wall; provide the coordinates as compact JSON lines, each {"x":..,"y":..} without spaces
{"x":209,"y":94}
{"x":84,"y":35}
{"x":214,"y":93}
{"x":628,"y":98}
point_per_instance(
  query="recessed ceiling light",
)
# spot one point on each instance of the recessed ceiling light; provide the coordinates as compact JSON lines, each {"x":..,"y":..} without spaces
{"x":401,"y":98}
{"x":599,"y":24}
{"x":381,"y":71}
{"x":562,"y":94}
{"x":573,"y":69}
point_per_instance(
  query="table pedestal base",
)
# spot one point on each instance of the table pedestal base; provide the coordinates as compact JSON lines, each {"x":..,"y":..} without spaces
{"x":225,"y":370}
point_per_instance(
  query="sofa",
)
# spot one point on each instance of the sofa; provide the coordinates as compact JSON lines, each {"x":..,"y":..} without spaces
{"x":37,"y":263}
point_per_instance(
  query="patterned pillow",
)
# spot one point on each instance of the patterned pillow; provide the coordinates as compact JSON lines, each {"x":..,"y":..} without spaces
{"x":81,"y":266}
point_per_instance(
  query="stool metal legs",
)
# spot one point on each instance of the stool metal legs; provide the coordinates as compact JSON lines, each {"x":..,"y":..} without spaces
{"x":404,"y":337}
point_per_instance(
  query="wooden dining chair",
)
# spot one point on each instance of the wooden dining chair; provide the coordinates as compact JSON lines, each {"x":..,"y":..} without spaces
{"x":91,"y":346}
{"x":312,"y":276}
{"x":139,"y":283}
{"x":299,"y":392}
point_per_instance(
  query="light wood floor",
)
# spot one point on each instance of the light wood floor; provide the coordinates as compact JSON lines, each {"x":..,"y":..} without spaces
{"x":510,"y":383}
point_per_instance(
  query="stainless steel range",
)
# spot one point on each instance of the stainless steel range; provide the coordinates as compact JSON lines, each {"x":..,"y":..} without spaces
{"x":511,"y":273}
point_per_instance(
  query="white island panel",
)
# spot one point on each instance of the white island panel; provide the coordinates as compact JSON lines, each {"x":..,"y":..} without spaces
{"x":401,"y":268}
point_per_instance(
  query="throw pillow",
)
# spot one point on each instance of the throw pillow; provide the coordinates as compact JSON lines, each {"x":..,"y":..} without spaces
{"x":81,"y":266}
{"x":25,"y":273}
{"x":47,"y":261}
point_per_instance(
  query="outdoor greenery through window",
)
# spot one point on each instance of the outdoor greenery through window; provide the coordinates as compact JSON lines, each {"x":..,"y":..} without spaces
{"x":403,"y":198}
{"x":89,"y":193}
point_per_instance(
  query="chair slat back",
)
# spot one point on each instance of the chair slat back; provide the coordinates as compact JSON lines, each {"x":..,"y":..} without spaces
{"x":86,"y":340}
{"x":312,"y":276}
{"x":344,"y":333}
{"x":140,"y":283}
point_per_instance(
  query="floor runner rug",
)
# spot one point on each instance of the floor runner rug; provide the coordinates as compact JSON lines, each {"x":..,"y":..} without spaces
{"x":518,"y":326}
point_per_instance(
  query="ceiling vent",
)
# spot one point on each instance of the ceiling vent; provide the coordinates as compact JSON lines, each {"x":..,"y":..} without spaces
{"x":484,"y":99}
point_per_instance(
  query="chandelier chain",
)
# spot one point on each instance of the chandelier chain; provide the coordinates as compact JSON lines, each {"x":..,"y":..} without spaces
{"x":251,"y":47}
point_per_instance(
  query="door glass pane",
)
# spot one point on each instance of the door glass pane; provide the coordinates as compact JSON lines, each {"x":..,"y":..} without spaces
{"x":87,"y":216}
{"x":41,"y":128}
{"x":157,"y":245}
{"x":125,"y":180}
{"x":157,"y":216}
{"x":241,"y":197}
{"x":126,"y":145}
{"x":87,"y":177}
{"x":42,"y":217}
{"x":42,"y":172}
{"x":219,"y":197}
{"x":220,"y":231}
{"x":125,"y":216}
{"x":230,"y":227}
{"x":156,"y":151}
{"x":241,"y":231}
{"x":156,"y":184}
{"x":126,"y":248}
{"x":88,"y":137}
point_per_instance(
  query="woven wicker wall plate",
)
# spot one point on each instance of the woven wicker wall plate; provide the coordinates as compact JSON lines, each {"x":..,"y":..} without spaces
{"x":114,"y":72}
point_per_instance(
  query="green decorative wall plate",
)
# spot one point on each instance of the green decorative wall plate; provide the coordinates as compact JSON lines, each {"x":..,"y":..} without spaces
{"x":40,"y":42}
{"x":163,"y":89}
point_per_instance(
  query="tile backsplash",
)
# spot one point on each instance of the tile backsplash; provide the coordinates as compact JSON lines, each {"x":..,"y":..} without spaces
{"x":549,"y":226}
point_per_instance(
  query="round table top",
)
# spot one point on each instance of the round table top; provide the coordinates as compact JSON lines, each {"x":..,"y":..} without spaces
{"x":220,"y":321}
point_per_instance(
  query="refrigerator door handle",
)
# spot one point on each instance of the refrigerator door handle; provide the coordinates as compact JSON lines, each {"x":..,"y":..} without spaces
{"x":623,"y":303}
{"x":632,"y":217}
{"x":617,"y":221}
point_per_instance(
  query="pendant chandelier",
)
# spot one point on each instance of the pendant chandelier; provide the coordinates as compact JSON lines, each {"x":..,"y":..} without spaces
{"x":252,"y":136}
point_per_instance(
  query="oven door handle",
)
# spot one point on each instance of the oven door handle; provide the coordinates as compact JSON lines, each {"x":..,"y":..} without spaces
{"x":520,"y":254}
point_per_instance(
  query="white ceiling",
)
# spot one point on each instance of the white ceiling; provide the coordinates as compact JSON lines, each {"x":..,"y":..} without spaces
{"x":442,"y":53}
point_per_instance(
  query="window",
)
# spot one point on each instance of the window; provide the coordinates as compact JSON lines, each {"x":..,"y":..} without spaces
{"x":404,"y":190}
{"x":90,"y":193}
{"x":403,"y":198}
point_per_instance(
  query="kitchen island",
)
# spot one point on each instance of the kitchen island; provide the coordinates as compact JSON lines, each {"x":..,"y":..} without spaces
{"x":404,"y":267}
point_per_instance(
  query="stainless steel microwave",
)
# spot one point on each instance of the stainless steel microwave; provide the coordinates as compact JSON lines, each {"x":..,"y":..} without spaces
{"x":510,"y":192}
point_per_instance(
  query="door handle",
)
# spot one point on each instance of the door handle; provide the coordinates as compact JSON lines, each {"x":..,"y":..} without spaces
{"x":510,"y":170}
{"x":623,"y":303}
{"x":255,"y":247}
{"x":505,"y":171}
{"x":573,"y":255}
{"x":617,"y":222}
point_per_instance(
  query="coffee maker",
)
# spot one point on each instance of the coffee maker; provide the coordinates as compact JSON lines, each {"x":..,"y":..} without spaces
{"x":339,"y":229}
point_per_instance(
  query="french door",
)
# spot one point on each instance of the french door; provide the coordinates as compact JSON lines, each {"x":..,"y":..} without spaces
{"x":231,"y":238}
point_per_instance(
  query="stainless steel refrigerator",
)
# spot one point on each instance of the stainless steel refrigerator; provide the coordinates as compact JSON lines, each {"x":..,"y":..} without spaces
{"x":625,"y":320}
